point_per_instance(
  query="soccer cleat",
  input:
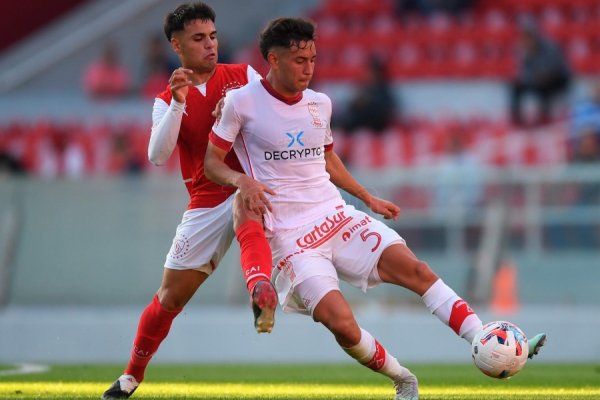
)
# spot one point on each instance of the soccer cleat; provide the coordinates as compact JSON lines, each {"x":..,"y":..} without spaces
{"x":122,"y":388}
{"x":264,"y":302}
{"x":536,"y":343}
{"x":407,"y":388}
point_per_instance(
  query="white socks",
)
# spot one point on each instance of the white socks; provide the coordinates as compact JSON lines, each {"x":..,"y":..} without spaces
{"x":373,"y":355}
{"x":445,"y":304}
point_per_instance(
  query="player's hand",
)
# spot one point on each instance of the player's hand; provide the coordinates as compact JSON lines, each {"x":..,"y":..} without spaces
{"x":218,"y":108}
{"x":253,"y":195}
{"x":383,"y":207}
{"x":180,"y":83}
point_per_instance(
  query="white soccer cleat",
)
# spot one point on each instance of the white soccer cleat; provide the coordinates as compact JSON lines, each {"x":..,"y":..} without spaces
{"x":407,"y":388}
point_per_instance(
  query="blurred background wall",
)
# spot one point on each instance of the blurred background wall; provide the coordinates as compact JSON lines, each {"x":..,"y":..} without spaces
{"x":439,"y":106}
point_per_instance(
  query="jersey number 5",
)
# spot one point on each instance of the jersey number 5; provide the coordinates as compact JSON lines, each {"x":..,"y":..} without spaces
{"x":365,"y":234}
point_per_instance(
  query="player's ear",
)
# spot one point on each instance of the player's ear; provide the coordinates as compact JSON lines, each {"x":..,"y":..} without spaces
{"x":272,"y":58}
{"x":175,"y":45}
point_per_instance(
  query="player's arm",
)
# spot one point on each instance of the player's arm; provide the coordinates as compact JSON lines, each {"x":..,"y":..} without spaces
{"x":220,"y":140}
{"x":166,"y":118}
{"x":166,"y":121}
{"x":341,"y":177}
{"x":252,"y":191}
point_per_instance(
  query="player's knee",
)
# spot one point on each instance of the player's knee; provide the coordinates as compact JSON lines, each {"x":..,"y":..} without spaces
{"x":170,"y":302}
{"x":345,"y":330}
{"x":423,"y":276}
{"x":422,"y":271}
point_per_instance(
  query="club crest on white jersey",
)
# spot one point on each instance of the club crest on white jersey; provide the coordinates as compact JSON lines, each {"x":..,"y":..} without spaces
{"x":317,"y":121}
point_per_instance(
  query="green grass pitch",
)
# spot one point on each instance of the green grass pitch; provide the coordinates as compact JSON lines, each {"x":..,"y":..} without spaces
{"x":302,"y":381}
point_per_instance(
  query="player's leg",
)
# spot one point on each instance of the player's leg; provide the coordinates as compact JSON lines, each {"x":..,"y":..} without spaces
{"x":255,"y":260}
{"x":177,"y":288}
{"x":399,"y":265}
{"x":328,"y":306}
{"x":201,"y":240}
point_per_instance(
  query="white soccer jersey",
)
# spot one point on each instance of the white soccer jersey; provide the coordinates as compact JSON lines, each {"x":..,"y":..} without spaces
{"x":282,"y":142}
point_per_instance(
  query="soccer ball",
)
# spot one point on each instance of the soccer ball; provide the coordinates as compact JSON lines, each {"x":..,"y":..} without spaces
{"x":500,"y":349}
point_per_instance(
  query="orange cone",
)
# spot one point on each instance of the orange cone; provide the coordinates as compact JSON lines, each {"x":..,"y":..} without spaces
{"x":504,"y":289}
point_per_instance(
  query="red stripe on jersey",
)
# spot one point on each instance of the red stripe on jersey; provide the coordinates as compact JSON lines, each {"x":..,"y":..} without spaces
{"x":219,"y":141}
{"x":378,"y":359}
{"x":247,"y":156}
{"x":329,"y":147}
{"x":460,"y":312}
{"x":287,"y":100}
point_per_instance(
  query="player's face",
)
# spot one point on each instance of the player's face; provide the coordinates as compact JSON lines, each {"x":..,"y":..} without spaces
{"x":197,"y":45}
{"x":294,"y":67}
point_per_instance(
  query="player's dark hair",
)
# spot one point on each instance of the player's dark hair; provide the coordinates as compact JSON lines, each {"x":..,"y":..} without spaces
{"x":285,"y":32}
{"x":176,"y":20}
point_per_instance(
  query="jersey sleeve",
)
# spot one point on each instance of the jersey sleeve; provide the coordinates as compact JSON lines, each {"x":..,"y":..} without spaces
{"x":166,"y":121}
{"x":226,"y":129}
{"x":253,"y":75}
{"x":327,"y":117}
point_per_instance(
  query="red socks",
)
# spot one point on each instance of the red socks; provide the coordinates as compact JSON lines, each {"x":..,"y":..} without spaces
{"x":255,"y":252}
{"x":153,"y":327}
{"x":155,"y":321}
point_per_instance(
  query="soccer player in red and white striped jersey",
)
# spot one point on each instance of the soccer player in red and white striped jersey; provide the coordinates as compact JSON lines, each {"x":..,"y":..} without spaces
{"x":182,"y":117}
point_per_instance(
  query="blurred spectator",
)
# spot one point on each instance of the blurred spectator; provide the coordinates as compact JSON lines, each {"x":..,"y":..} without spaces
{"x":584,"y":234}
{"x":58,"y":153}
{"x":543,"y":72}
{"x":123,"y":158}
{"x":585,"y":115}
{"x":157,"y":67}
{"x":105,"y":77}
{"x":459,"y":175}
{"x":374,"y":106}
{"x":588,"y":152}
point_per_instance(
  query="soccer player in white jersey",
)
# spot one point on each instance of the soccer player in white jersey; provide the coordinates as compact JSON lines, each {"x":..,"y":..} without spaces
{"x":182,"y":117}
{"x":280,"y":131}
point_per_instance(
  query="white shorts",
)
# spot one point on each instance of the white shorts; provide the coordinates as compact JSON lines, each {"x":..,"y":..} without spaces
{"x":310,"y":291}
{"x":202,"y":238}
{"x":346,"y":243}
